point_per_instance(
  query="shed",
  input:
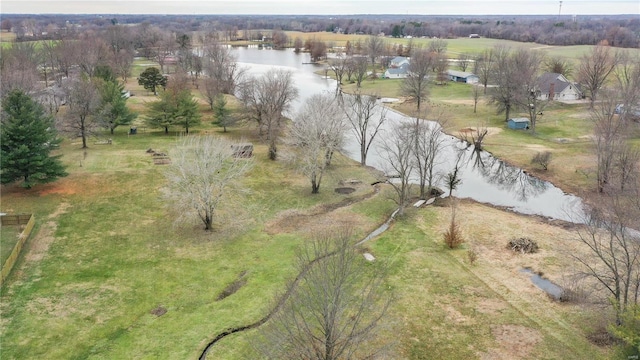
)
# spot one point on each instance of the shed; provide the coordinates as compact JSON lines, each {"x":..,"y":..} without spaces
{"x":518,"y":123}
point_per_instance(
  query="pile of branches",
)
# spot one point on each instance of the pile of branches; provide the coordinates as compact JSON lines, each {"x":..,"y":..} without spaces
{"x":523,"y":245}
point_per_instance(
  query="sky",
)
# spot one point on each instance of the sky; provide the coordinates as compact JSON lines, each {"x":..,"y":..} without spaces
{"x":323,"y":7}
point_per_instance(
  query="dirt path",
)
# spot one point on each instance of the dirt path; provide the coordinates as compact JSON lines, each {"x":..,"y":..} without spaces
{"x":39,"y":244}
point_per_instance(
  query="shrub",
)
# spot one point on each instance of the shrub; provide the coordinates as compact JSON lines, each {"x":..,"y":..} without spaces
{"x":453,"y":236}
{"x":542,"y":158}
{"x":472,"y":255}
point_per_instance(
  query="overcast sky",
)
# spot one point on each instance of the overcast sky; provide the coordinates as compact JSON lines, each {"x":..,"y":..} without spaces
{"x":324,"y":7}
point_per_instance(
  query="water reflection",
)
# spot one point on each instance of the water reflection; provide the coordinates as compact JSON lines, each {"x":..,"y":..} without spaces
{"x":484,"y":178}
{"x":506,"y":177}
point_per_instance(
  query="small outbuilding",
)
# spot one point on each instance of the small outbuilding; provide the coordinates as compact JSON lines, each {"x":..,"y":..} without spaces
{"x":518,"y":123}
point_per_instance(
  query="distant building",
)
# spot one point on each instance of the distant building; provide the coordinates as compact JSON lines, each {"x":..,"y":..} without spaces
{"x":554,"y":86}
{"x":474,"y":36}
{"x":461,"y":76}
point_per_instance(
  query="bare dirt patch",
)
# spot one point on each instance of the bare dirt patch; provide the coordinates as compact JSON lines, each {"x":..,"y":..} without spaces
{"x":319,"y":218}
{"x":42,"y":240}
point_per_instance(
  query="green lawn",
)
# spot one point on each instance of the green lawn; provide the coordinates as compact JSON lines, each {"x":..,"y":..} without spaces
{"x":8,"y":239}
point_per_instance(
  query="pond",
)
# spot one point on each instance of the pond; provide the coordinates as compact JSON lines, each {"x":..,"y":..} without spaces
{"x":484,"y":178}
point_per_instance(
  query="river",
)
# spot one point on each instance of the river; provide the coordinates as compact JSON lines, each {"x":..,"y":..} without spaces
{"x":484,"y":178}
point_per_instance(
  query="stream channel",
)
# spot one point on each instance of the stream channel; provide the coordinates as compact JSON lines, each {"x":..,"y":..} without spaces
{"x":485,"y":178}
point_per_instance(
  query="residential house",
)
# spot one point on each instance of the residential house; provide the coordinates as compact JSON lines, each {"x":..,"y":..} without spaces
{"x":461,"y":76}
{"x":554,"y":86}
{"x":398,"y":61}
{"x":397,"y":73}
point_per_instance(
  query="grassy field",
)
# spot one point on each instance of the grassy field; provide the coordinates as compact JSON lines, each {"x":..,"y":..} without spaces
{"x":109,"y":275}
{"x":8,"y":239}
{"x":107,"y":258}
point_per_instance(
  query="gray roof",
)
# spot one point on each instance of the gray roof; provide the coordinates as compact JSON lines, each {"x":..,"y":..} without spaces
{"x":460,"y":74}
{"x":518,"y":120}
{"x":403,"y":69}
{"x":558,"y":81}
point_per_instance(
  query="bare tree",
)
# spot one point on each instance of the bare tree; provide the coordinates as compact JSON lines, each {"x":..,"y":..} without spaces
{"x":398,"y":155}
{"x":558,"y":65}
{"x":222,"y":70}
{"x":595,"y":67}
{"x":336,"y":310}
{"x":83,"y":100}
{"x":338,"y":66}
{"x":504,"y":73}
{"x":359,"y":67}
{"x":19,"y":69}
{"x":438,"y":46}
{"x":627,"y":75}
{"x":318,"y":131}
{"x":365,"y":118}
{"x":542,"y":158}
{"x":610,"y":132}
{"x":483,"y":67}
{"x":464,"y":60}
{"x":527,"y":65}
{"x":203,"y":171}
{"x":415,"y":86}
{"x":611,"y":235}
{"x":266,"y":99}
{"x":374,"y":46}
{"x":280,"y":39}
{"x":429,"y":140}
{"x":475,"y":94}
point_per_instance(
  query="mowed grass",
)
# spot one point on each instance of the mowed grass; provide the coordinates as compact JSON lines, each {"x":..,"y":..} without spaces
{"x":116,"y":255}
{"x":9,"y":235}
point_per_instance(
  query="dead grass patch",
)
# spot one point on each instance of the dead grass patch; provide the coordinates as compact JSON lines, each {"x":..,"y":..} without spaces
{"x":516,"y":342}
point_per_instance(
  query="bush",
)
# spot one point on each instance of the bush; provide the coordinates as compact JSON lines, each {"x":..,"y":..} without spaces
{"x":472,"y":255}
{"x":542,"y":158}
{"x":453,"y":236}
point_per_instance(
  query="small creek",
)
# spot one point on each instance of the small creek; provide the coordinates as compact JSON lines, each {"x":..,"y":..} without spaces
{"x":553,"y":290}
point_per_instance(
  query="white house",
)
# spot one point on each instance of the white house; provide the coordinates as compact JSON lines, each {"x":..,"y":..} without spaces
{"x":555,"y":86}
{"x":398,"y":61}
{"x":397,"y":73}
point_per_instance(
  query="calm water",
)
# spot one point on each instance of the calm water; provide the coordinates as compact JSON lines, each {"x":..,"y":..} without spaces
{"x":484,"y":178}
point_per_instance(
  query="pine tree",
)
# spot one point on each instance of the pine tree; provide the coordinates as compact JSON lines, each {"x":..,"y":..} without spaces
{"x":27,"y":137}
{"x":113,"y":110}
{"x":221,"y":113}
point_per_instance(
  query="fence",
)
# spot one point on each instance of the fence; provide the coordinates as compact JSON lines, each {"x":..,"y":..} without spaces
{"x":20,"y":219}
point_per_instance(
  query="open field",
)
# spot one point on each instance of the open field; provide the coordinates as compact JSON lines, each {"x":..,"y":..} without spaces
{"x":107,"y":258}
{"x":107,"y":274}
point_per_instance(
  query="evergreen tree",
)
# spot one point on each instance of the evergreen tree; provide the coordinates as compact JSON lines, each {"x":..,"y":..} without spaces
{"x":151,"y":78}
{"x":27,"y":137}
{"x":173,"y":108}
{"x":222,"y":113}
{"x":113,"y":109}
